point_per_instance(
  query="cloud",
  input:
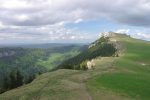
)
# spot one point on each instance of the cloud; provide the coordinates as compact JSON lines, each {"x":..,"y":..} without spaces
{"x":42,"y":34}
{"x":78,"y":21}
{"x":123,"y":31}
{"x":143,"y":36}
{"x":45,"y":12}
{"x":139,"y":34}
{"x":32,"y":19}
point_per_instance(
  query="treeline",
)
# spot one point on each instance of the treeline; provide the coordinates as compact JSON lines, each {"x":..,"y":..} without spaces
{"x":13,"y":80}
{"x":101,"y":47}
{"x":19,"y":66}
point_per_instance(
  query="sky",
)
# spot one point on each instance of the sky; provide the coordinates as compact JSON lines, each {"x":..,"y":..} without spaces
{"x":71,"y":21}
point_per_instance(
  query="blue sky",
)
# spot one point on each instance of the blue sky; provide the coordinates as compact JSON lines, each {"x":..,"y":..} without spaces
{"x":96,"y":27}
{"x":71,"y":21}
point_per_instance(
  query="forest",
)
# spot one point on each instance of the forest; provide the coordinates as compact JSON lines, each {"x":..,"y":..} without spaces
{"x":101,"y":47}
{"x":19,"y":66}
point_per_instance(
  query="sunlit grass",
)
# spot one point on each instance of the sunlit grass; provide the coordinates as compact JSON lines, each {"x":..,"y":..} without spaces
{"x":133,"y":75}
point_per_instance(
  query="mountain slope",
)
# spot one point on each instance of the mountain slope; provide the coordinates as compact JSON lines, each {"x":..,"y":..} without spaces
{"x":133,"y":76}
{"x":101,"y":47}
{"x":30,"y":62}
{"x":114,"y":78}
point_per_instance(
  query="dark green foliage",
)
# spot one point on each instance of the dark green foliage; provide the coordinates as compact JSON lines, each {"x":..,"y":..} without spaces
{"x":19,"y":66}
{"x":13,"y":80}
{"x":6,"y":84}
{"x":30,"y":79}
{"x":83,"y":65}
{"x":19,"y":78}
{"x":67,"y":66}
{"x":101,"y":47}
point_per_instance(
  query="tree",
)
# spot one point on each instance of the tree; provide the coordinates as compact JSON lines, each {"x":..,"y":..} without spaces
{"x":6,"y":84}
{"x":19,"y":80}
{"x":12,"y":79}
{"x":16,"y":79}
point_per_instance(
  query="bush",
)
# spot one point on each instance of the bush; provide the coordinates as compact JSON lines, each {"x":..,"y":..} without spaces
{"x":83,"y":65}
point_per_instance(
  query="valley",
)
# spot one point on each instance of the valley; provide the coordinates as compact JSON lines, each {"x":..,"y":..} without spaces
{"x":125,"y":77}
{"x":24,"y":64}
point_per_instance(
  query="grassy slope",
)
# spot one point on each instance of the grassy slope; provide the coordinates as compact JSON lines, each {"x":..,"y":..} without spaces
{"x":121,"y":78}
{"x":60,"y":85}
{"x":56,"y":58}
{"x":133,"y":71}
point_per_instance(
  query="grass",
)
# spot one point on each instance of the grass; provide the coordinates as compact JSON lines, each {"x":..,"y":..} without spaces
{"x":50,"y":86}
{"x":114,"y":78}
{"x":133,"y":75}
{"x":133,"y":85}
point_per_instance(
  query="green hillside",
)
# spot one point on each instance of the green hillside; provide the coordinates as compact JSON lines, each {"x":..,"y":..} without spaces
{"x":101,"y":47}
{"x":126,"y":77}
{"x":132,"y":77}
{"x":20,"y":66}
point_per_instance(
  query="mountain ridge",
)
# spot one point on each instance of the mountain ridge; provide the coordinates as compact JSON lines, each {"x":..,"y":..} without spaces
{"x":118,"y":78}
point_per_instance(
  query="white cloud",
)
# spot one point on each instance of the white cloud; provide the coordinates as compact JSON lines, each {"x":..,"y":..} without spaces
{"x":143,"y":36}
{"x":78,"y":21}
{"x":123,"y":31}
{"x":139,"y":34}
{"x":14,"y":4}
{"x":22,"y":17}
{"x":45,"y":34}
{"x":33,"y":19}
{"x":1,"y":25}
{"x":43,"y":12}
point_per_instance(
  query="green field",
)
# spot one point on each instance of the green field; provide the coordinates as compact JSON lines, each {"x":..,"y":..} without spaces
{"x":126,"y":77}
{"x":133,"y":71}
{"x":56,"y":58}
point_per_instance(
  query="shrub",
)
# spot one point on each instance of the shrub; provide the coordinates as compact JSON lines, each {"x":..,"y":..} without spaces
{"x":83,"y":65}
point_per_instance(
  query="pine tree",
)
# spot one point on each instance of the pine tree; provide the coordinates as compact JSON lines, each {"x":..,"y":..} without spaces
{"x":6,"y":84}
{"x":12,"y":79}
{"x":19,"y":78}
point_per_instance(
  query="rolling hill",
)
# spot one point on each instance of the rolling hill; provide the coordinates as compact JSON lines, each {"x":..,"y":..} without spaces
{"x":42,"y":45}
{"x":126,"y":77}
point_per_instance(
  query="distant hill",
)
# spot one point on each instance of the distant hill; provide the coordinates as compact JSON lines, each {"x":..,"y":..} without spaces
{"x":101,"y":47}
{"x":126,"y":77}
{"x":26,"y":63}
{"x":42,"y":45}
